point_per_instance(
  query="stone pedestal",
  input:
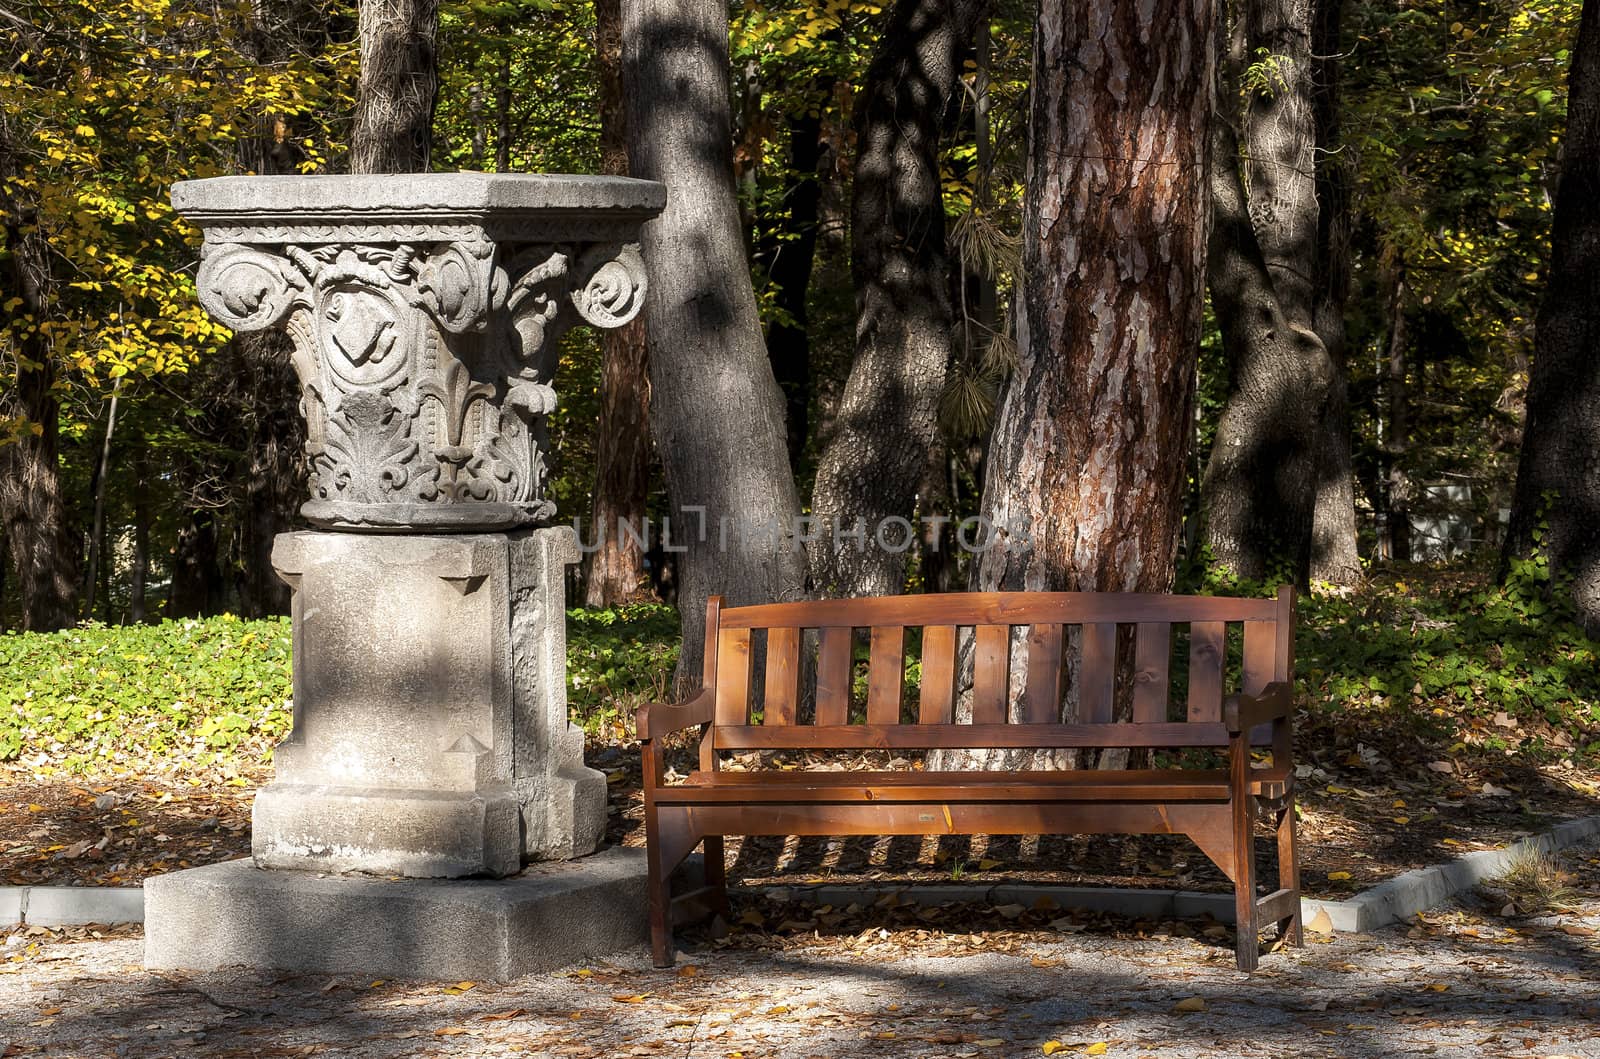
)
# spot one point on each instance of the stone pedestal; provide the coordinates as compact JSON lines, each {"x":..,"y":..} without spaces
{"x":430,"y":708}
{"x":430,"y":739}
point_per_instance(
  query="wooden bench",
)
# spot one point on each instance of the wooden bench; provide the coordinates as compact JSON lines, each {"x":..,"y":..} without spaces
{"x":1124,"y":682}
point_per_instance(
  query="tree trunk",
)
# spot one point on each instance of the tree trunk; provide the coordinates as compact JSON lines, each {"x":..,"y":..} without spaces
{"x":398,"y":87}
{"x":1084,"y":486}
{"x":197,"y":585}
{"x":622,"y":437}
{"x":32,"y":505}
{"x":97,"y":527}
{"x":1558,"y":477}
{"x":139,"y":576}
{"x":716,"y":410}
{"x":1397,"y":432}
{"x":1334,"y":558}
{"x":1259,"y":491}
{"x":888,"y":416}
{"x":788,"y":262}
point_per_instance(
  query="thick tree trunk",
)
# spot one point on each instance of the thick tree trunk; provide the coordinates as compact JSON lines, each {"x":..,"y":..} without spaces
{"x":1084,"y":487}
{"x":887,"y":419}
{"x":716,"y":409}
{"x":622,"y":439}
{"x":1334,"y":558}
{"x":1558,"y":478}
{"x":398,"y":88}
{"x":1259,"y":490}
{"x":32,"y":505}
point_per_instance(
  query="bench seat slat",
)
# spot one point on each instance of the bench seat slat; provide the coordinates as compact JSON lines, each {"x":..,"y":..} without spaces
{"x":967,"y":736}
{"x":1152,"y":785}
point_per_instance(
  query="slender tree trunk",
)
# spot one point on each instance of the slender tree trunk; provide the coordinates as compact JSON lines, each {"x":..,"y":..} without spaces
{"x":197,"y":585}
{"x":716,"y":410}
{"x":888,"y":417}
{"x":1084,"y":486}
{"x":1397,"y":433}
{"x":1558,"y":478}
{"x":788,"y":261}
{"x":32,"y":504}
{"x":139,"y":576}
{"x":1334,"y":558}
{"x":398,"y":88}
{"x":622,"y":438}
{"x":97,"y":532}
{"x":1259,"y":490}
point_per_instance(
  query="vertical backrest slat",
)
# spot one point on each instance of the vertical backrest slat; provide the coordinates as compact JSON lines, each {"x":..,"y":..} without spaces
{"x":989,"y":670}
{"x":708,"y":751}
{"x":1097,"y":677}
{"x":1260,"y":652}
{"x":783,"y":676}
{"x":1208,"y":641}
{"x":1043,"y":702}
{"x":886,"y":668}
{"x":733,"y":677}
{"x":833,"y":675}
{"x":938,"y":693}
{"x":1152,"y":659}
{"x":1285,"y":653}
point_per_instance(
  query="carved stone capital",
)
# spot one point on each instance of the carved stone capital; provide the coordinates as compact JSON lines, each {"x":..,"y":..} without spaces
{"x":424,"y":310}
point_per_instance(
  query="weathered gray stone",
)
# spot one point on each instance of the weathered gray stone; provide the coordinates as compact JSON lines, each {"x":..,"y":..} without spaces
{"x":423,"y":309}
{"x":64,"y":906}
{"x":235,"y":914}
{"x":430,"y":713}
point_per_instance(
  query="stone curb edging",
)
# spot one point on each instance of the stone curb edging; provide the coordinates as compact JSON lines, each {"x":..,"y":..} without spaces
{"x":1398,"y":898}
{"x":70,"y":906}
{"x":1394,"y":899}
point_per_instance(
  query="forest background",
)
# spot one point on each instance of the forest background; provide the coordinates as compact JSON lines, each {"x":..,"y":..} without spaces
{"x":1392,"y":167}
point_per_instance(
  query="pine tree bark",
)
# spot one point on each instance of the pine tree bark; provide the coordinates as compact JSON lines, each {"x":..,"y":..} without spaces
{"x":32,"y":504}
{"x":1084,"y":488}
{"x":888,"y":417}
{"x":1334,"y":558}
{"x":622,"y":437}
{"x":1558,"y":476}
{"x":716,"y":411}
{"x":1259,"y":491}
{"x":398,"y":88}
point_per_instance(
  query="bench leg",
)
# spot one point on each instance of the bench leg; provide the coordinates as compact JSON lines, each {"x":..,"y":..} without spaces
{"x":1247,"y":943}
{"x":1290,"y":929}
{"x":659,"y":889}
{"x":717,"y":874}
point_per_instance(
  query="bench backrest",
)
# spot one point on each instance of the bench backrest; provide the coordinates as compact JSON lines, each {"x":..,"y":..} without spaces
{"x":1224,"y":643}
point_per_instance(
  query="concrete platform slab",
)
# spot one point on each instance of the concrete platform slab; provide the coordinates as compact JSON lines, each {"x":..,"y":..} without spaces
{"x":551,"y":915}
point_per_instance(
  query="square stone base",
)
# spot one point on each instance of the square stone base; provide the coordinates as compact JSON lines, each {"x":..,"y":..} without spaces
{"x":553,"y":914}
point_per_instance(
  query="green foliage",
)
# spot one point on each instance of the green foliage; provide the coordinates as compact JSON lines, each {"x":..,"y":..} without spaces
{"x":99,"y":698}
{"x":617,"y":660}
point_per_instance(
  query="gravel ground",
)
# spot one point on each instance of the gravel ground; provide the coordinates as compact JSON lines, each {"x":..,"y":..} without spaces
{"x":1462,"y":981}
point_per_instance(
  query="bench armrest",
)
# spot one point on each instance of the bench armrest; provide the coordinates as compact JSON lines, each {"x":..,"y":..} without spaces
{"x":1241,"y":712}
{"x":656,"y":719}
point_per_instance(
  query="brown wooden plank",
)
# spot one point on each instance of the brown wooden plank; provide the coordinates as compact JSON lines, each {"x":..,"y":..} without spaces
{"x":1208,"y":641}
{"x":708,"y":677}
{"x":1043,"y":702}
{"x":885,"y":674}
{"x":1097,"y":676}
{"x":1152,"y":658}
{"x":938,"y":691}
{"x":880,"y":787}
{"x":998,"y":608}
{"x":940,"y":818}
{"x":1260,"y":656}
{"x":733,"y":676}
{"x":990,"y":665}
{"x":1285,"y":632}
{"x":783,"y":676}
{"x":833,"y":676}
{"x":930,"y":737}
